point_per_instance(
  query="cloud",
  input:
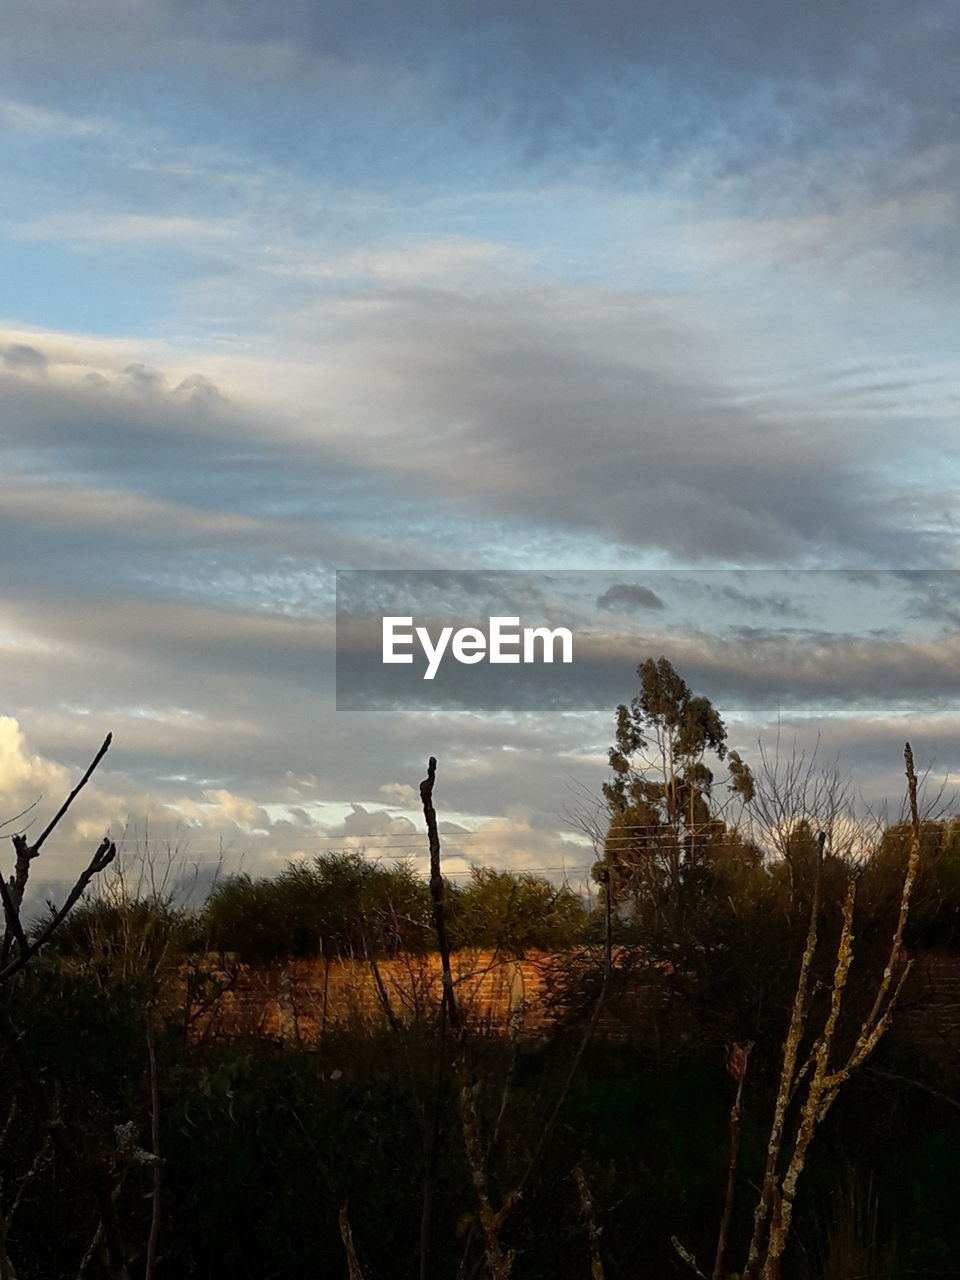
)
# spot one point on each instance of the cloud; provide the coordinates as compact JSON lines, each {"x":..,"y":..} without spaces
{"x":361,"y":822}
{"x":23,"y":775}
{"x":778,"y":603}
{"x":239,"y":810}
{"x":518,"y":841}
{"x":184,"y":598}
{"x":401,"y":794}
{"x":109,"y":229}
{"x":540,"y":284}
{"x":626,"y":595}
{"x":22,"y":358}
{"x":201,"y":392}
{"x":427,"y":379}
{"x":699,"y":95}
{"x":33,"y":120}
{"x":599,"y":410}
{"x":823,"y":142}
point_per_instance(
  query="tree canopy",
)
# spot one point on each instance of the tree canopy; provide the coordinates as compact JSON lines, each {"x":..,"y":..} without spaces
{"x":665,"y":821}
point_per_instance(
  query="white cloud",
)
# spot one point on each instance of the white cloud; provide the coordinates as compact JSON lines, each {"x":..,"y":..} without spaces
{"x":111,"y":229}
{"x":30,"y":119}
{"x":23,"y":775}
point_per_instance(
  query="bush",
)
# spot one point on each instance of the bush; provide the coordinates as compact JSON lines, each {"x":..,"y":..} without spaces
{"x":338,"y":905}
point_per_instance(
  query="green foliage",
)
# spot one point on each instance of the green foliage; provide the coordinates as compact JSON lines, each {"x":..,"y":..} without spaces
{"x":515,"y":912}
{"x":336,"y":905}
{"x":342,"y":905}
{"x":935,"y":911}
{"x":128,"y":941}
{"x":663,"y":819}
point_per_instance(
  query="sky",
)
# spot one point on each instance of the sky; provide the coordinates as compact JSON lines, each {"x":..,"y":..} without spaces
{"x":628,"y":288}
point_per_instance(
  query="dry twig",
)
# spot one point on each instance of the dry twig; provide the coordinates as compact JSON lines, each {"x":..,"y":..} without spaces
{"x":590,"y":1222}
{"x":346,"y":1235}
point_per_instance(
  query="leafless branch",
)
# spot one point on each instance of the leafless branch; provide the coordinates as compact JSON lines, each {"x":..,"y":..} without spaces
{"x":12,"y":892}
{"x":687,"y":1257}
{"x":346,"y":1235}
{"x":101,"y":859}
{"x":590,"y":1222}
{"x":788,"y":1071}
{"x":8,"y":822}
{"x":737,"y":1061}
{"x":38,"y":843}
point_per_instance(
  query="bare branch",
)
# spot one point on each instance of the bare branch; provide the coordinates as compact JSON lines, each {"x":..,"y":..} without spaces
{"x":779,"y":1191}
{"x":686,"y":1256}
{"x":25,"y":853}
{"x":38,"y":843}
{"x":346,"y":1235}
{"x":737,"y":1061}
{"x":11,"y":915}
{"x":382,"y":995}
{"x":104,"y":855}
{"x":910,"y":877}
{"x":8,"y":822}
{"x":590,"y":1222}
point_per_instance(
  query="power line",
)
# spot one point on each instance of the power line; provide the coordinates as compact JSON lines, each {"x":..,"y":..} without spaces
{"x":511,"y":871}
{"x":417,"y":849}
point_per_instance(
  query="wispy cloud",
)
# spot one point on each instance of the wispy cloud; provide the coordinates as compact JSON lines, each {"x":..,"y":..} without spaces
{"x":118,"y":229}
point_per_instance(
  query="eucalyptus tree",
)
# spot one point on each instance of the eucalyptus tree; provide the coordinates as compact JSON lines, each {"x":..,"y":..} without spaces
{"x":665,"y":819}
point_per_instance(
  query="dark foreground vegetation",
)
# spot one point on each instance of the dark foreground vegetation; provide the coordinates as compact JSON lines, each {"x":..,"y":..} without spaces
{"x":780,"y":1118}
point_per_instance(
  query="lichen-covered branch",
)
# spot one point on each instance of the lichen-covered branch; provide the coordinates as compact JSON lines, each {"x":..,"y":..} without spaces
{"x":823,"y":1082}
{"x":788,"y":1072}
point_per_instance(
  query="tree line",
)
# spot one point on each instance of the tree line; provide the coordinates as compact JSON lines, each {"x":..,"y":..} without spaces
{"x":338,"y":906}
{"x":746,"y":1133}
